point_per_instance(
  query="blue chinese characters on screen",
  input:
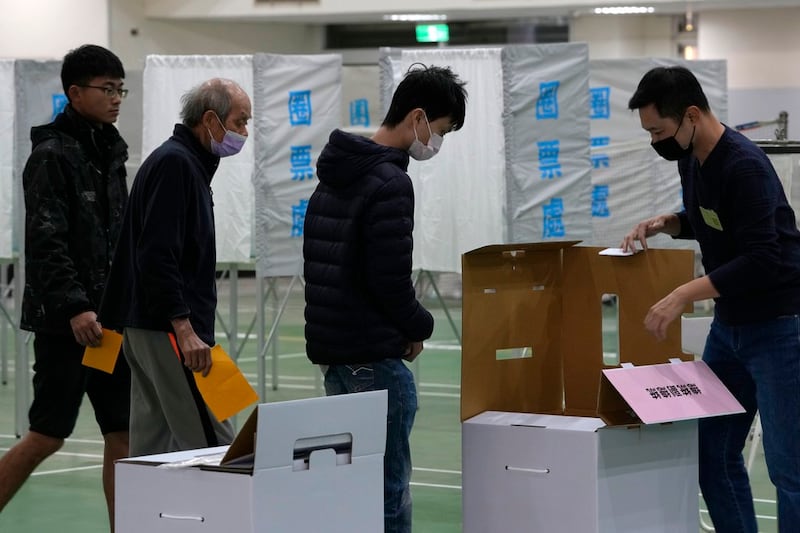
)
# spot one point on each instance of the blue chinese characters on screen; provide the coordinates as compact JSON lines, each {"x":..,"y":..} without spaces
{"x":59,"y":103}
{"x":300,"y":158}
{"x":359,"y":112}
{"x":599,"y":99}
{"x":553,"y":219}
{"x":301,"y":163}
{"x":300,"y":108}
{"x":547,"y":104}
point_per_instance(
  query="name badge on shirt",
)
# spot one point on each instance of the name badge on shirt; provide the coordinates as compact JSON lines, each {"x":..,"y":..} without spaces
{"x":711,"y":218}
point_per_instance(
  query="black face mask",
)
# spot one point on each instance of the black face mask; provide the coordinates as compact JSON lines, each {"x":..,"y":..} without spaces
{"x":670,"y":149}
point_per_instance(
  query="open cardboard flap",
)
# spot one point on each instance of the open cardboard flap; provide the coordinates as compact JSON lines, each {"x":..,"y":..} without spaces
{"x":242,"y":452}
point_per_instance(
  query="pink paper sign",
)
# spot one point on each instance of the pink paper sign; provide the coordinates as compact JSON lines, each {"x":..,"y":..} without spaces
{"x":673,"y":391}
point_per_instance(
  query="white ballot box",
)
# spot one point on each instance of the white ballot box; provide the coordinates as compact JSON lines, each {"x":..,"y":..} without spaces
{"x":556,"y":436}
{"x":296,"y":466}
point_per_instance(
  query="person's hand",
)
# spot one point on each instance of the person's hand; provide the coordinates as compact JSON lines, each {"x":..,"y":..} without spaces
{"x":86,"y":329}
{"x":414,"y":349}
{"x":648,"y":228}
{"x":661,"y":315}
{"x":196,"y":353}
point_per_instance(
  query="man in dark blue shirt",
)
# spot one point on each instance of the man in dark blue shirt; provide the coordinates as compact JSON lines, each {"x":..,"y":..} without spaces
{"x":735,"y":206}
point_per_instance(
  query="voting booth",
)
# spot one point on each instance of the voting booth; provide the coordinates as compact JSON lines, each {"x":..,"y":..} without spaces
{"x":303,"y":465}
{"x":31,"y":96}
{"x":6,"y":159}
{"x":519,"y":169}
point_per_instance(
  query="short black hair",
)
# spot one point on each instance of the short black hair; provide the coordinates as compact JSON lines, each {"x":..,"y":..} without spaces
{"x":437,"y":90}
{"x":89,"y":61}
{"x":671,"y":89}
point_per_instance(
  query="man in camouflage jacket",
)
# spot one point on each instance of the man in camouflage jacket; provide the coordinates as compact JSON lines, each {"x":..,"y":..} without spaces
{"x":75,"y":196}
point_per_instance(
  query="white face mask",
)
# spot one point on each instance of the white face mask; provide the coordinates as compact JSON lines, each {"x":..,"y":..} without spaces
{"x":422,"y":152}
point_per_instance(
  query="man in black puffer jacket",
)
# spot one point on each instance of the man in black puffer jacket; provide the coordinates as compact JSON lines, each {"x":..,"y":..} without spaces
{"x":362,"y":315}
{"x":75,"y":195}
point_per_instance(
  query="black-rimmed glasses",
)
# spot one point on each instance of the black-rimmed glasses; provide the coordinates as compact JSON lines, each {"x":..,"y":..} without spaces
{"x":110,"y":91}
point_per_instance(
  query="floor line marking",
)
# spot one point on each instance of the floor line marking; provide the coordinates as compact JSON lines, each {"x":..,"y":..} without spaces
{"x":761,"y":516}
{"x":437,"y":470}
{"x":66,"y":470}
{"x":435,"y":485}
{"x":67,"y":441}
{"x":69,"y":454}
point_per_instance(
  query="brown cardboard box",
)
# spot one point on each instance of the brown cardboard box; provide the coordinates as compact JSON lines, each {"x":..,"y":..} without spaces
{"x":546,"y":299}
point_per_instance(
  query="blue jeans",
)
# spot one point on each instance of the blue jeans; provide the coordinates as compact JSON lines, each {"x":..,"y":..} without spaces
{"x":396,"y":378}
{"x":760,"y":364}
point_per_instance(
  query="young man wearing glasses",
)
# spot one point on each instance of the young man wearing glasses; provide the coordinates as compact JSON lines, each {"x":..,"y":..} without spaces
{"x":75,"y":196}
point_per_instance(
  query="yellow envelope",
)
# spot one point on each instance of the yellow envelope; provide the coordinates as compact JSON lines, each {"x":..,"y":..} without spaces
{"x":225,"y":389}
{"x":104,"y":357}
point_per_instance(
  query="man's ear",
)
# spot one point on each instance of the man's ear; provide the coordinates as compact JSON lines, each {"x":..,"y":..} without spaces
{"x":207,"y":118}
{"x":417,"y":114}
{"x":73,"y":93}
{"x":693,"y":112}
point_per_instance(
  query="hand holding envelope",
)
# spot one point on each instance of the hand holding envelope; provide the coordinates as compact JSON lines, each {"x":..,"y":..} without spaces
{"x":225,"y":389}
{"x":104,"y":356}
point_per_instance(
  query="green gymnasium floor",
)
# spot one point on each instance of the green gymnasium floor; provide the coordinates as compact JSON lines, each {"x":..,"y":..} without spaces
{"x":65,"y":495}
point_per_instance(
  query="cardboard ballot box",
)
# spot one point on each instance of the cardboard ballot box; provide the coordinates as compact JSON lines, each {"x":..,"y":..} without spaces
{"x":303,"y":465}
{"x":552,"y":438}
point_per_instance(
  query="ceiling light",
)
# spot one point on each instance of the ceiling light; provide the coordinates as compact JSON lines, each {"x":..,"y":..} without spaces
{"x":414,"y":17}
{"x":623,"y":10}
{"x":689,"y":21}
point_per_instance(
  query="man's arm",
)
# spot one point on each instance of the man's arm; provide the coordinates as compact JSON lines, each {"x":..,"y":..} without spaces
{"x":196,"y":353}
{"x":669,"y":224}
{"x":388,"y":225}
{"x":49,"y":265}
{"x":86,"y":329}
{"x":666,"y":310}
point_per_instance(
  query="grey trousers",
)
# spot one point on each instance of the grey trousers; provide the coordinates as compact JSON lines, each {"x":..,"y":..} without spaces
{"x":167,"y":412}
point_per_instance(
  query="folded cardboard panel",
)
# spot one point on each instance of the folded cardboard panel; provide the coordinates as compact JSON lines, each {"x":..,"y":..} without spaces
{"x":638,"y":282}
{"x":543,"y":300}
{"x":500,"y":284}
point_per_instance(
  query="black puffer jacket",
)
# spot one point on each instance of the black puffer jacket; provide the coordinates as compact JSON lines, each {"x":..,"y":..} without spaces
{"x":360,"y":302}
{"x":75,"y":195}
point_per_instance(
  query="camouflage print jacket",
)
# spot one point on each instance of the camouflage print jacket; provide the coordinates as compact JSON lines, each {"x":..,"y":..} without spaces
{"x":75,"y":195}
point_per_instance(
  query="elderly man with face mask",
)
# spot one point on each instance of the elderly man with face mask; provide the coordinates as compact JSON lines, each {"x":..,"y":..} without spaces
{"x":162,"y":285}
